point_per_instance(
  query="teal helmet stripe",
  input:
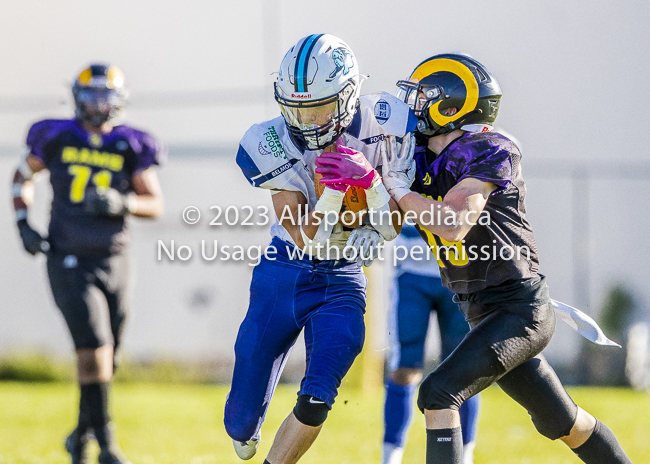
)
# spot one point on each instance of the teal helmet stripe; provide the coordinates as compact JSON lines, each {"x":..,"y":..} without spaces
{"x":302,"y":61}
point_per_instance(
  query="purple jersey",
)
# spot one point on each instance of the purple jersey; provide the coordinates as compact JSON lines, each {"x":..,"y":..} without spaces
{"x":78,"y":161}
{"x":501,"y":245}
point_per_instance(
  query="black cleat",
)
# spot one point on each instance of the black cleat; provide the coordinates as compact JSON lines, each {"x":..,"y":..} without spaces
{"x":75,"y":445}
{"x":112,"y":456}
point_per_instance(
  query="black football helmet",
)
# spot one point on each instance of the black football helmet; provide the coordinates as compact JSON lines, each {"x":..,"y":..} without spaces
{"x":451,"y":81}
{"x":99,"y":94}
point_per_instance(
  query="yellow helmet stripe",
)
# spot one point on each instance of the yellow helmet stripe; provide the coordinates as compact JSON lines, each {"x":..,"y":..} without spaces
{"x":85,"y":77}
{"x":115,"y":77}
{"x":460,"y":70}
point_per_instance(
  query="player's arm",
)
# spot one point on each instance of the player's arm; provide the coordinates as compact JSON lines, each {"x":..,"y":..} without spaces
{"x":385,"y":217}
{"x":147,"y":199}
{"x":455,"y":215}
{"x":23,"y":186}
{"x":315,"y":227}
{"x":22,"y":189}
{"x":351,"y":167}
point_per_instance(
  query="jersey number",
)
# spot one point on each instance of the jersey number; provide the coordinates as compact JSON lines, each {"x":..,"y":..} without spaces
{"x":454,"y":252}
{"x":81,"y":175}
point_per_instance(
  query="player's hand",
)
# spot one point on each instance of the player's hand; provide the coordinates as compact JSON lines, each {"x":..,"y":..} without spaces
{"x":345,"y":166}
{"x":398,"y":165}
{"x":107,"y":202}
{"x":367,"y":242}
{"x":33,"y":242}
{"x":333,"y":185}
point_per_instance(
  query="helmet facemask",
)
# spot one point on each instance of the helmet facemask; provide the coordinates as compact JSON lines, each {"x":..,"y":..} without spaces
{"x":98,"y":105}
{"x":420,"y":98}
{"x":315,"y":124}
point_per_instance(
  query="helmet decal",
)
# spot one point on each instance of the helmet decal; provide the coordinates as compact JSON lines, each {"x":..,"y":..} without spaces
{"x":115,"y":77}
{"x":342,"y":60}
{"x":99,"y":75}
{"x":85,"y":77}
{"x":458,"y":69}
{"x":302,"y":61}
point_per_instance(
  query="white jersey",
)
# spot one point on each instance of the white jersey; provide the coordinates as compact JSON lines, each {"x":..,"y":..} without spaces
{"x":269,"y":159}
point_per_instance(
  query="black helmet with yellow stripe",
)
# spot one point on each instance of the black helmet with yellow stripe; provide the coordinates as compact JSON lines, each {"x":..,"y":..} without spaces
{"x":99,"y":94}
{"x":449,"y":92}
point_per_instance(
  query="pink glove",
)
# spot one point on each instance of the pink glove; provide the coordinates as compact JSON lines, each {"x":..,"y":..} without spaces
{"x":333,"y":185}
{"x":345,"y":166}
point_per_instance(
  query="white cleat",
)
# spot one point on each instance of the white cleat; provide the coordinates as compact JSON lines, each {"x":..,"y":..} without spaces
{"x":468,"y":452}
{"x":392,"y":454}
{"x":247,"y":449}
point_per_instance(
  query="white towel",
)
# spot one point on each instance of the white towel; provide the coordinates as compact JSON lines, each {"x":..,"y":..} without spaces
{"x":581,"y":323}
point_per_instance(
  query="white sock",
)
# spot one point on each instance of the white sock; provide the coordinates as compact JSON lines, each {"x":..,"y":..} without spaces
{"x":392,"y":454}
{"x":468,"y":452}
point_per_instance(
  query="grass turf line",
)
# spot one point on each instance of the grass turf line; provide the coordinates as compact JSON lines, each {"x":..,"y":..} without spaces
{"x":174,"y":424}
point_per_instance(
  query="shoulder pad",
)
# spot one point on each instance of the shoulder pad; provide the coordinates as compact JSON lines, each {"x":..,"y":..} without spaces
{"x":485,"y":156}
{"x":481,"y":142}
{"x":266,"y":155}
{"x":383,"y":113}
{"x":43,"y":132}
{"x":149,"y":150}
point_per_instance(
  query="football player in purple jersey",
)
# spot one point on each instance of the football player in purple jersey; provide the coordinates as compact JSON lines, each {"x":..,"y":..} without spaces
{"x":467,"y":200}
{"x":100,"y":172}
{"x":416,"y":293}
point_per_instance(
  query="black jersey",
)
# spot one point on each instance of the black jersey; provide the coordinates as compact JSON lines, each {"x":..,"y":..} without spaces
{"x":78,"y":161}
{"x":501,"y":245}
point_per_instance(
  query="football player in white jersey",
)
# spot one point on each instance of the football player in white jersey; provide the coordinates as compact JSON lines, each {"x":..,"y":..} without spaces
{"x":305,"y":281}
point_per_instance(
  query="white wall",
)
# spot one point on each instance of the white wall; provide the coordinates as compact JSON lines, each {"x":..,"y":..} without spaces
{"x":191,"y":310}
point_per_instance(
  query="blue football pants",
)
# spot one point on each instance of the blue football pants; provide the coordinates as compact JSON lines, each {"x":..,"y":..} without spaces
{"x":327,"y":299}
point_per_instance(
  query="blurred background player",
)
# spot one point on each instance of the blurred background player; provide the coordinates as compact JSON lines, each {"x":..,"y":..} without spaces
{"x":306,"y":283}
{"x":468,"y":174}
{"x":417,"y":292}
{"x":100,"y":172}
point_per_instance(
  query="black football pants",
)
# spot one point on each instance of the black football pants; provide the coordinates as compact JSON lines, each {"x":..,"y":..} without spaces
{"x":92,"y":293}
{"x":504,"y":346}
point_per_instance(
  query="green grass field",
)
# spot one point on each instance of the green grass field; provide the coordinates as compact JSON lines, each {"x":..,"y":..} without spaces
{"x":174,"y":424}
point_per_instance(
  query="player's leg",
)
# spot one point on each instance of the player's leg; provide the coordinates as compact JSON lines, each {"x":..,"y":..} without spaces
{"x":398,"y":412}
{"x":499,"y":343}
{"x":85,"y":311}
{"x":114,"y":279}
{"x":409,"y":320}
{"x":537,"y":388}
{"x":263,"y":343}
{"x":118,"y":286}
{"x":294,"y":437}
{"x":453,"y":328}
{"x":334,"y":336}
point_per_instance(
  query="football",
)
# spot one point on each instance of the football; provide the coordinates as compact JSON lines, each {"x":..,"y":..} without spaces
{"x":354,"y":204}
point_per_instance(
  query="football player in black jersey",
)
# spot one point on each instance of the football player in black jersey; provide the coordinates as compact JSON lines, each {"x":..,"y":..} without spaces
{"x":468,"y":202}
{"x":100,"y":172}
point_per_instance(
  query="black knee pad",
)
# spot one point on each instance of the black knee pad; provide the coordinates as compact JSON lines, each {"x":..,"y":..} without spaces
{"x":555,"y":427}
{"x":310,"y":411}
{"x":433,"y":394}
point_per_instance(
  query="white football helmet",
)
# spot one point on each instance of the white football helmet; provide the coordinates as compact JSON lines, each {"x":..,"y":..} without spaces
{"x":317,"y":89}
